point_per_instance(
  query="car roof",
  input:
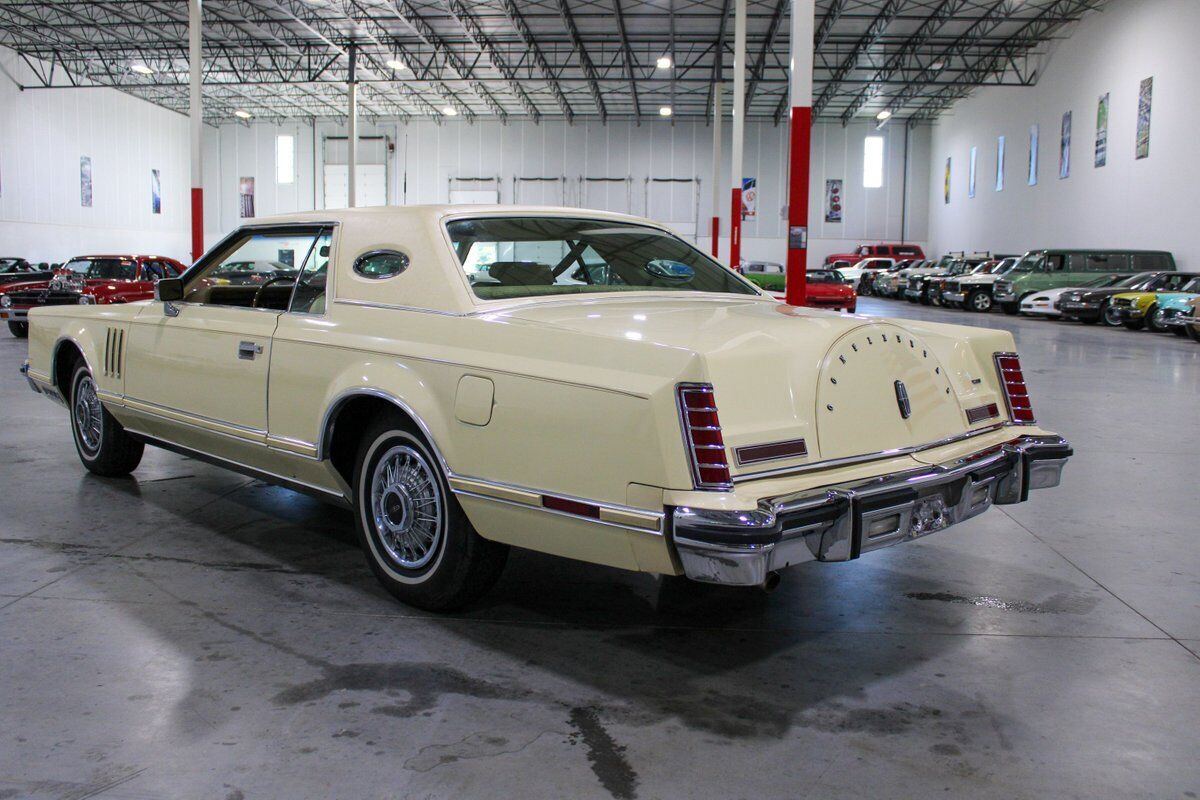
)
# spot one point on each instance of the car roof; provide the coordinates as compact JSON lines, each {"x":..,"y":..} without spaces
{"x":437,"y":212}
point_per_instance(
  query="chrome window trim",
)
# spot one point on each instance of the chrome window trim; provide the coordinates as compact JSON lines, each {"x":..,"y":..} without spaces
{"x":396,"y":307}
{"x":876,"y":456}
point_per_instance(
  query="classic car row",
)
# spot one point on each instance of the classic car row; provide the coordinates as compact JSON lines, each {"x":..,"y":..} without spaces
{"x":1135,"y":289}
{"x":84,"y":280}
{"x":585,"y":384}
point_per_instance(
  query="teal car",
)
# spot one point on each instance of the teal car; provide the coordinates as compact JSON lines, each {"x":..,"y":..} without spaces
{"x":1175,"y":311}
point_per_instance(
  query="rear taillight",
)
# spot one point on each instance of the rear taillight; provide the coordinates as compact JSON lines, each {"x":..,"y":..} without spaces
{"x":1015,"y":392}
{"x":702,"y":436}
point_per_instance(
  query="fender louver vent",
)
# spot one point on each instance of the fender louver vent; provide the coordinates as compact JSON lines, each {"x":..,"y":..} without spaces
{"x":114,"y":352}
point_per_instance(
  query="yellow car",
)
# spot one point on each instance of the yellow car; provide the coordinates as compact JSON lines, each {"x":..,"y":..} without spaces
{"x":1136,"y":309}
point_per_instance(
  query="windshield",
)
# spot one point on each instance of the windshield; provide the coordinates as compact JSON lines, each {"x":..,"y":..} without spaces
{"x":10,"y":264}
{"x":103,"y":268}
{"x":509,"y":257}
{"x":1030,"y":262}
{"x":1135,"y":281}
{"x":824,"y":276}
{"x":1192,"y":286}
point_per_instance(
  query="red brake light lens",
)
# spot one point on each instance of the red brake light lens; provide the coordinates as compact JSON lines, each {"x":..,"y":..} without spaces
{"x":1020,"y":409}
{"x":702,"y":436}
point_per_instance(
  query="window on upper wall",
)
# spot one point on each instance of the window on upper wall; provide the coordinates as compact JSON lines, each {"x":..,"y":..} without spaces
{"x":285,"y":159}
{"x":873,"y":162}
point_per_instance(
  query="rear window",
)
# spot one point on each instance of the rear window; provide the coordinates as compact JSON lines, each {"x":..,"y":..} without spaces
{"x":512,"y":257}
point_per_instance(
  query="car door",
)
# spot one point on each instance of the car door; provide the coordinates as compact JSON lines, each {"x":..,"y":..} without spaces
{"x":203,"y":361}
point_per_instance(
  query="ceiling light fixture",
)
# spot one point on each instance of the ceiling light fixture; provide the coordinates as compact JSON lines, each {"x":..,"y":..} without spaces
{"x":665,"y":111}
{"x":884,"y":115}
{"x":396,"y":63}
{"x":141,"y":69}
{"x":242,"y":114}
{"x":664,"y":62}
{"x":938,"y":66}
{"x":450,"y":111}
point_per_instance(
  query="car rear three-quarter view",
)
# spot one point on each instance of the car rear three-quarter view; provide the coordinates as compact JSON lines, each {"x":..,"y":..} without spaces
{"x":579,"y":383}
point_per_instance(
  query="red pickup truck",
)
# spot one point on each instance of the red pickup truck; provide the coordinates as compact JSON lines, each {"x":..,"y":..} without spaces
{"x":85,"y":280}
{"x":897,"y":251}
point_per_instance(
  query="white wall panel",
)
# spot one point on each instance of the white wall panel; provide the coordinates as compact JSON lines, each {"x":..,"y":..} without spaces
{"x":43,"y":133}
{"x":1146,"y":203}
{"x":428,"y":155}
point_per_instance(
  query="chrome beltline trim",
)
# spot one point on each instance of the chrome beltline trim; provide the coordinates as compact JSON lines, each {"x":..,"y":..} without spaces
{"x":394,"y":307}
{"x":881,"y":454}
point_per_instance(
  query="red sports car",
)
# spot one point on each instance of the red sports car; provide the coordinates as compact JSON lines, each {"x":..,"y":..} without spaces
{"x":86,"y":280}
{"x":826,"y":288}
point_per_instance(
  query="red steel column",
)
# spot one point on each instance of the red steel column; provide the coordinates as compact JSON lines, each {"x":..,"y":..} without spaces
{"x":799,"y":149}
{"x":716,"y":173}
{"x":196,"y":115}
{"x":739,"y":129}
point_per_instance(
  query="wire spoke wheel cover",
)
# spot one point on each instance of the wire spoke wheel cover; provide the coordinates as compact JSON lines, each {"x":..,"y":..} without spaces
{"x":89,"y":415}
{"x":407,"y":508}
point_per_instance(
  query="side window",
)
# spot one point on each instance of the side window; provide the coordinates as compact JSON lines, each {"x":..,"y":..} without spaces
{"x":152,"y":271}
{"x":1077,"y":262}
{"x":1150,"y":262}
{"x":1055,"y":262}
{"x":171,"y":270}
{"x":309,"y":294}
{"x":1100,"y":262}
{"x":245,"y":272}
{"x":380,"y":264}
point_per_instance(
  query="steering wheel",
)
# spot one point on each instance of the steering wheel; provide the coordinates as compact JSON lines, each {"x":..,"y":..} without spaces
{"x":258,"y":293}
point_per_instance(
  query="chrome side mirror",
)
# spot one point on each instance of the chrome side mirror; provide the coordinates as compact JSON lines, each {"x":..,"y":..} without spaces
{"x":168,"y":291}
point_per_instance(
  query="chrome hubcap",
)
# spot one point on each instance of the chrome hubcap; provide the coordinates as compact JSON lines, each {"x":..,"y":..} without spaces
{"x":89,"y":416}
{"x":406,"y":507}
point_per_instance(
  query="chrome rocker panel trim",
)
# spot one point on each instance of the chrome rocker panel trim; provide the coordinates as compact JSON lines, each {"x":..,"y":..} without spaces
{"x":840,"y":522}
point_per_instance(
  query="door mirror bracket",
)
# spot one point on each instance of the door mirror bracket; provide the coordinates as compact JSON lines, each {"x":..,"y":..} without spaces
{"x":167,"y":291}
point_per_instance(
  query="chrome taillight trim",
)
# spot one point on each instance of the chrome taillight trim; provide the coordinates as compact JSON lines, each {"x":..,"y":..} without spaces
{"x":1000,"y":370}
{"x":689,"y":445}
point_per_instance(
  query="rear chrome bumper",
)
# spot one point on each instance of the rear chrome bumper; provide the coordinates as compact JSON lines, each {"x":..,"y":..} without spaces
{"x":841,"y":522}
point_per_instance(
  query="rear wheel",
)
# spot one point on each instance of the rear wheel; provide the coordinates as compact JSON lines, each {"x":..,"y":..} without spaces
{"x":418,"y":541}
{"x":19,"y":329}
{"x":981,"y":300}
{"x":103,"y":445}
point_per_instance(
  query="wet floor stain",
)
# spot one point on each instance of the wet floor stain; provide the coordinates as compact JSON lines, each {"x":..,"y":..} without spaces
{"x":606,"y":757}
{"x":1058,"y":604}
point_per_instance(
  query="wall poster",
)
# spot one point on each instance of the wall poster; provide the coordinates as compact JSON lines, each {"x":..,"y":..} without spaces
{"x":85,"y":181}
{"x":246,"y":197}
{"x":999,"y":163}
{"x":833,"y":200}
{"x":1064,"y":147}
{"x":971,"y":174}
{"x":1033,"y":154}
{"x":155,"y":192}
{"x":749,"y":198}
{"x":1102,"y":130}
{"x":1143,"y":119}
{"x":946,"y":185}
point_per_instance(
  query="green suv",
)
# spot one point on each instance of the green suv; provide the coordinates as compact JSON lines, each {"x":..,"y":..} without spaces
{"x":1039,"y":270}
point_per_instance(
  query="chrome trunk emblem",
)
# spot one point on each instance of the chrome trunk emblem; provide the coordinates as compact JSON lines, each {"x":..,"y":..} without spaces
{"x":902,"y":400}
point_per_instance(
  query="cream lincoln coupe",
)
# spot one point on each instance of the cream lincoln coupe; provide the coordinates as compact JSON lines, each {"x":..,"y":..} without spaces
{"x":575,"y":382}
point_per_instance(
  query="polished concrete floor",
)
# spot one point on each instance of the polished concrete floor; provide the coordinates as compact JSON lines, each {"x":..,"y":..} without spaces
{"x":194,"y":634}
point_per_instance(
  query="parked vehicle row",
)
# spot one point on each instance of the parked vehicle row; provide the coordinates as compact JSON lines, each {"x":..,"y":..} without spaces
{"x":1135,"y":289}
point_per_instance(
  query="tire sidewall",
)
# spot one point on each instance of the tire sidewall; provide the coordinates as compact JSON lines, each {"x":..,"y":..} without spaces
{"x":979,"y":293}
{"x":77,"y":377}
{"x":382,"y":562}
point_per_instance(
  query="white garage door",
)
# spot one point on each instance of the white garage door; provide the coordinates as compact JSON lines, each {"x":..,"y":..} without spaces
{"x":674,"y":202}
{"x":371,"y":189}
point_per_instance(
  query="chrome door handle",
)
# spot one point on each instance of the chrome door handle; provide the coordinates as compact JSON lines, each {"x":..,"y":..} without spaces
{"x":248,"y":350}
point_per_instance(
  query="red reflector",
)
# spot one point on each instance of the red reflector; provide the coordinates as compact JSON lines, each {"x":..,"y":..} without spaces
{"x":702,"y":436}
{"x":571,"y":506}
{"x":1016,"y":393}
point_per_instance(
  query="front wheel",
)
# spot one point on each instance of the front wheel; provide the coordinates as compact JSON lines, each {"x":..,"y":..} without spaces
{"x":102,"y":443}
{"x":1154,"y":319}
{"x":980,"y":300}
{"x":19,"y":329}
{"x":1108,"y":315}
{"x":417,"y":538}
{"x":1193,"y":331}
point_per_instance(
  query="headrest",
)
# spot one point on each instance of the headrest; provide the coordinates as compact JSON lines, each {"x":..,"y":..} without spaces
{"x":521,"y":273}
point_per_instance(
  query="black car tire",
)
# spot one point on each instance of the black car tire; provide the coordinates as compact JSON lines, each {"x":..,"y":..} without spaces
{"x":1153,"y":319}
{"x":454,"y":569}
{"x":1012,"y":309}
{"x":1193,"y":332}
{"x":1108,"y":315}
{"x":980,"y":300}
{"x":102,"y":443}
{"x":19,"y":329}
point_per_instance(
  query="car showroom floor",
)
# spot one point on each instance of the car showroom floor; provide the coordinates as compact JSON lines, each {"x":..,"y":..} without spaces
{"x":196,"y":634}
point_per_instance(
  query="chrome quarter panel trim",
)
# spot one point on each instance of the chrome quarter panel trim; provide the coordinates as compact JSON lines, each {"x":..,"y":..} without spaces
{"x":253,"y":435}
{"x":294,"y":446}
{"x":610,"y":514}
{"x":877,"y":456}
{"x":497,"y":491}
{"x":554,"y":512}
{"x":328,"y":420}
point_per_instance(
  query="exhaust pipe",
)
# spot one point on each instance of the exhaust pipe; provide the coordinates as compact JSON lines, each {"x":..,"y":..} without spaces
{"x":771,"y":583}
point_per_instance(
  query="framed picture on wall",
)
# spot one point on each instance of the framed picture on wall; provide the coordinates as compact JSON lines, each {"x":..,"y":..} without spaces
{"x":946,"y":183}
{"x":999,"y":163}
{"x":971,"y":173}
{"x":155,"y":192}
{"x":1064,"y":147}
{"x":245,"y":197}
{"x":833,"y":200}
{"x":749,"y":198}
{"x":1033,"y":154}
{"x":85,"y":181}
{"x":1102,"y":130}
{"x":1145,"y":93}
